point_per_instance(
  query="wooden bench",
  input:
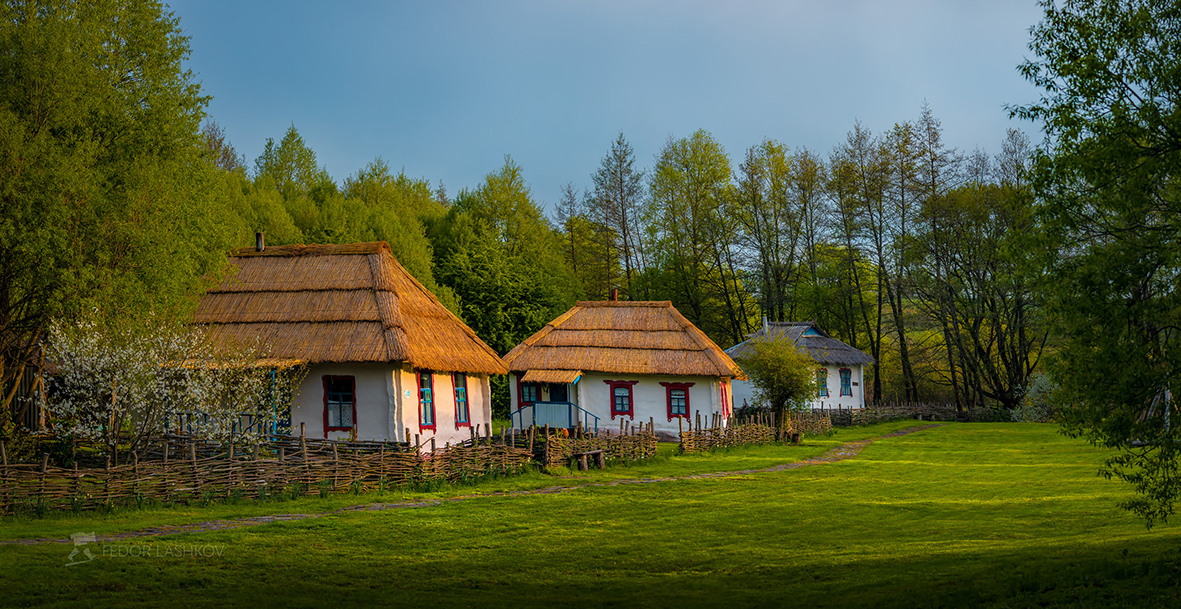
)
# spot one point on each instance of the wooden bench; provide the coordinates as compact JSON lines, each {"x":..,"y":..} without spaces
{"x":600,"y":459}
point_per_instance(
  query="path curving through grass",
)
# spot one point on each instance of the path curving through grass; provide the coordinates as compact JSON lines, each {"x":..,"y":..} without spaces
{"x":847,"y":450}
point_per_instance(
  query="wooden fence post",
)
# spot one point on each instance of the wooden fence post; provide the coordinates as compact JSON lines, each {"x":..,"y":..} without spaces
{"x":4,"y":461}
{"x":193,"y":459}
{"x":107,"y":481}
{"x":44,"y":467}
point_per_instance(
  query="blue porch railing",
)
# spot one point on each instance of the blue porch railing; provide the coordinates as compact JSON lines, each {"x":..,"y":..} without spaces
{"x":554,"y":414}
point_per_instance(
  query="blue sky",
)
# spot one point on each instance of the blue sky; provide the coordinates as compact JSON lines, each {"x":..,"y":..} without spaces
{"x":445,"y":89}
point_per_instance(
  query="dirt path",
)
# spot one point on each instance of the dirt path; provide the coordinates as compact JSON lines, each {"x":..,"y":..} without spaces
{"x":840,"y":453}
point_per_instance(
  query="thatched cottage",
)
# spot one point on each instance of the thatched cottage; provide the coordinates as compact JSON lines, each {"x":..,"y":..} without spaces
{"x":840,"y":368}
{"x":601,"y":363}
{"x":386,"y":360}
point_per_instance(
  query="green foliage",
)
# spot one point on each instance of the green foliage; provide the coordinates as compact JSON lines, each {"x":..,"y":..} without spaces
{"x":1108,"y":182}
{"x":104,"y":204}
{"x":497,"y":251}
{"x":784,"y":376}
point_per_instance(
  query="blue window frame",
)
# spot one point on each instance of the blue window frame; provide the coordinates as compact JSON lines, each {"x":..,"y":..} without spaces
{"x":846,"y":381}
{"x":822,"y":383}
{"x":426,"y":401}
{"x":462,"y":416}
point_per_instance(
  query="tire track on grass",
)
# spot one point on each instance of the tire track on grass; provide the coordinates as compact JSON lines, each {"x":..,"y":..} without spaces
{"x":840,"y":453}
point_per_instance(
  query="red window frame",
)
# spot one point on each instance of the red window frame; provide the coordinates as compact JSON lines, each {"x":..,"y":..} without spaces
{"x":631,"y":398}
{"x":459,"y":381}
{"x":352,"y":387}
{"x":846,"y":374}
{"x":434,"y":418}
{"x":668,"y":392}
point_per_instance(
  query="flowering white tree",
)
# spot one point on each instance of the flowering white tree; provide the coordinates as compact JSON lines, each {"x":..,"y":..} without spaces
{"x":121,"y":385}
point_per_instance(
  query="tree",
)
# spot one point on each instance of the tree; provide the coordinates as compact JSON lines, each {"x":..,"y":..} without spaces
{"x":691,"y":211}
{"x":497,"y":251}
{"x":783,"y":375}
{"x":1107,"y":179}
{"x":104,"y":200}
{"x":615,"y":203}
{"x":119,"y":383}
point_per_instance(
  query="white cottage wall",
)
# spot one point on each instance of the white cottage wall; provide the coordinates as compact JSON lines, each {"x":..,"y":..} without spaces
{"x":744,"y":390}
{"x":835,"y":399}
{"x":649,"y":399}
{"x":445,"y":431}
{"x":372,"y":401}
{"x":387,"y":404}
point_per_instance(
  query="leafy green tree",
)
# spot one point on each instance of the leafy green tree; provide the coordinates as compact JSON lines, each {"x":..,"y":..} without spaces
{"x":380,"y":206}
{"x":615,"y":205}
{"x":104,"y":202}
{"x":696,"y":236}
{"x":1107,"y":178}
{"x":497,"y":251}
{"x":586,"y":246}
{"x":783,"y":375}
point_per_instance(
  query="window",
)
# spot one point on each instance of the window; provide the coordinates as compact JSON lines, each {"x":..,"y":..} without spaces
{"x":621,"y":398}
{"x":530,"y":393}
{"x":462,"y":416}
{"x":822,"y":383}
{"x":426,"y":401}
{"x":846,"y":381}
{"x":559,"y":392}
{"x":678,"y":399}
{"x":340,"y":403}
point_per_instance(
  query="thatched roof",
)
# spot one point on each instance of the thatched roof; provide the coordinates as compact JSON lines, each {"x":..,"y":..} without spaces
{"x":340,"y":303}
{"x":819,"y":345}
{"x":622,"y":338}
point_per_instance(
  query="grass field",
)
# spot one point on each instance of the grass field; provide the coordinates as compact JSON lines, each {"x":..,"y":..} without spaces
{"x":1005,"y":515}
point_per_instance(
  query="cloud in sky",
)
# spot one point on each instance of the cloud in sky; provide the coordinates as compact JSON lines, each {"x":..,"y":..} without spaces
{"x":446,"y":89}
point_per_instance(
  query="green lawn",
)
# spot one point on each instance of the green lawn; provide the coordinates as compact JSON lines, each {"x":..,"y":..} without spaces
{"x":1006,"y":515}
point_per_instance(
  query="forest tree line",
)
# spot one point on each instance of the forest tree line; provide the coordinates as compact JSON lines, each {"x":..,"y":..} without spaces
{"x":123,"y":199}
{"x":893,"y":243}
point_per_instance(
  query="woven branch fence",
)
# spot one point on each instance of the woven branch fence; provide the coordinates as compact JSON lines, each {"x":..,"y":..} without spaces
{"x":284,"y":465}
{"x":633,"y":444}
{"x":879,"y":413}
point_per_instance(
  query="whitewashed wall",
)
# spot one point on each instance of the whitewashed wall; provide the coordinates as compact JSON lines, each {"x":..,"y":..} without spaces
{"x":744,"y":390}
{"x":372,"y":384}
{"x":649,"y":398}
{"x":387,"y":404}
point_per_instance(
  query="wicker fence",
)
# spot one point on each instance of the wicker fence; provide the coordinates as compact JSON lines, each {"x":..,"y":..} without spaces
{"x":927,"y":412}
{"x":292,"y":466}
{"x":632,"y":444}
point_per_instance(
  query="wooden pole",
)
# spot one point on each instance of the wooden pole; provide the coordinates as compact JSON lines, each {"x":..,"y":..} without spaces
{"x":335,"y":467}
{"x":44,"y":467}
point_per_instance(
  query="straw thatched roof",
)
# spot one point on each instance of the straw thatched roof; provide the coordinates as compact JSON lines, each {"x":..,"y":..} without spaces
{"x":622,"y":338}
{"x":818,"y":345}
{"x":340,"y":303}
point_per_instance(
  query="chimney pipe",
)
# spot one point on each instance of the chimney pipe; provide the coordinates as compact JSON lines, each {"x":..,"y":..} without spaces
{"x":614,"y":294}
{"x":259,"y":242}
{"x":766,"y":326}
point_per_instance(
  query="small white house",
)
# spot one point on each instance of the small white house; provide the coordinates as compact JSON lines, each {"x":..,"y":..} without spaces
{"x":386,"y":360}
{"x":603,"y":364}
{"x":840,"y":370}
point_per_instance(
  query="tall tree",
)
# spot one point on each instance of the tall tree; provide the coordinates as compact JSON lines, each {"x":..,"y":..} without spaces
{"x":615,"y":203}
{"x":103,"y":203}
{"x":690,"y":195}
{"x":1107,"y":179}
{"x":497,"y":251}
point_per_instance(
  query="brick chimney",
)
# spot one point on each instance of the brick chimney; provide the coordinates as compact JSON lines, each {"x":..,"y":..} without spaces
{"x":614,"y":294}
